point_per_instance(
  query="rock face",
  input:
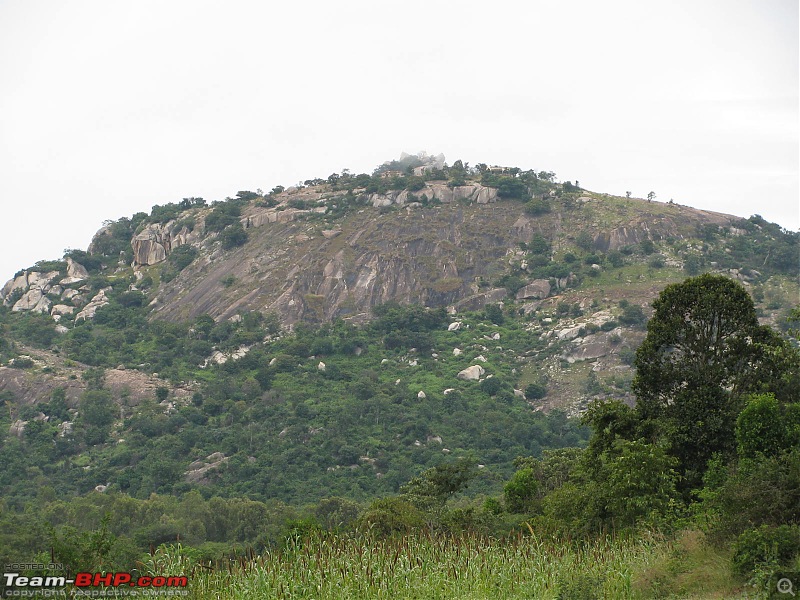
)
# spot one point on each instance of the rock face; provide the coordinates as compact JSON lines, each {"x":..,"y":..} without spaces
{"x":35,"y":286}
{"x":439,"y":192}
{"x":151,"y":246}
{"x":154,"y":243}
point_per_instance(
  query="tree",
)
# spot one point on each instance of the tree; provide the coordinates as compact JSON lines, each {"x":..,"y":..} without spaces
{"x":520,"y":491}
{"x":651,"y":196}
{"x":703,"y":352}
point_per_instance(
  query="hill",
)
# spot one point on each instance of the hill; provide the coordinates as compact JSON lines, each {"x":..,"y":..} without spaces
{"x":336,"y":338}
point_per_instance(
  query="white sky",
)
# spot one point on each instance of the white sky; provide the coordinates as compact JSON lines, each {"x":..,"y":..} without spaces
{"x":109,"y":107}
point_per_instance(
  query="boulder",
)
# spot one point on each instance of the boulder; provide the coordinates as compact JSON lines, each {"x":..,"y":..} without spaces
{"x":536,"y":290}
{"x":75,"y":272}
{"x":29,"y":300}
{"x":17,"y":283}
{"x":472,"y":373}
{"x":95,"y":303}
{"x":62,"y":309}
{"x":454,"y":326}
{"x":421,"y":395}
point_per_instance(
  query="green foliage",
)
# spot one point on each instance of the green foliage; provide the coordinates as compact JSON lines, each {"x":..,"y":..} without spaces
{"x":82,"y":551}
{"x":494,"y":314}
{"x":436,"y":485}
{"x":182,"y":256}
{"x":223,"y":215}
{"x":97,"y":413}
{"x":520,"y":493}
{"x":633,"y":315}
{"x":766,"y":547}
{"x":704,"y":349}
{"x":392,"y":515}
{"x":539,"y":245}
{"x":507,"y":186}
{"x":584,"y":241}
{"x":537,"y":207}
{"x":535,"y":391}
{"x":233,"y":236}
{"x":763,"y":428}
{"x":692,"y":264}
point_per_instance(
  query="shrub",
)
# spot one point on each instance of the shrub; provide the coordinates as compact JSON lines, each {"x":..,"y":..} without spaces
{"x":233,"y":236}
{"x":616,"y":259}
{"x":494,"y":314}
{"x":767,"y":546}
{"x":632,"y":314}
{"x":182,"y":256}
{"x":537,"y":206}
{"x":608,"y":326}
{"x":520,"y":491}
{"x":539,"y":245}
{"x":491,"y":385}
{"x":535,"y":391}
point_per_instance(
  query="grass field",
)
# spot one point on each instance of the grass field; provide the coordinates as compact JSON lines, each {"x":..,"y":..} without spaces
{"x":463,"y":567}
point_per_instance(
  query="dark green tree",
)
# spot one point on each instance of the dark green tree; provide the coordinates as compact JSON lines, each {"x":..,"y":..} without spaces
{"x":703,"y":352}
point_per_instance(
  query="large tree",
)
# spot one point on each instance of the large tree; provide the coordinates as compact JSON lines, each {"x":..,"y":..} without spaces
{"x":704,"y":351}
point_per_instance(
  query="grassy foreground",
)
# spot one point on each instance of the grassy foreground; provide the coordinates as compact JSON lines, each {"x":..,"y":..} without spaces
{"x":463,"y":567}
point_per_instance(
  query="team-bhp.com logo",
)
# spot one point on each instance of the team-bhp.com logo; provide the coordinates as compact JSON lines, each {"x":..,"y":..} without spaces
{"x":15,"y":584}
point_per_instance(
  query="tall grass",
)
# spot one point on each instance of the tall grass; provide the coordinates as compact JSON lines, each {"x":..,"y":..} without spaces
{"x":419,"y":566}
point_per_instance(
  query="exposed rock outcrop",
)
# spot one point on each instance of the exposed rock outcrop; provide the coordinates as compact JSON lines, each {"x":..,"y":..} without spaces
{"x":440,"y":192}
{"x":154,"y":243}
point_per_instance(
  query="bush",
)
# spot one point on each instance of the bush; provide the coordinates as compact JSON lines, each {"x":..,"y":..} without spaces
{"x":494,"y":314}
{"x":392,"y":515}
{"x":233,"y":236}
{"x":491,"y":385}
{"x":584,"y":241}
{"x":535,"y":391}
{"x":608,"y":326}
{"x":182,"y":256}
{"x":766,"y":547}
{"x":520,"y":491}
{"x":537,"y":206}
{"x":632,"y":314}
{"x":539,"y":245}
{"x":223,"y":215}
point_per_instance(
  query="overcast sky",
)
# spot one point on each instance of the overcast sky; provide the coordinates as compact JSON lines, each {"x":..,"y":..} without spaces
{"x":109,"y":107}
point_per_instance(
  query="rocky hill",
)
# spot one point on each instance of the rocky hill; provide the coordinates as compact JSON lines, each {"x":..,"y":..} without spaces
{"x":292,"y":319}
